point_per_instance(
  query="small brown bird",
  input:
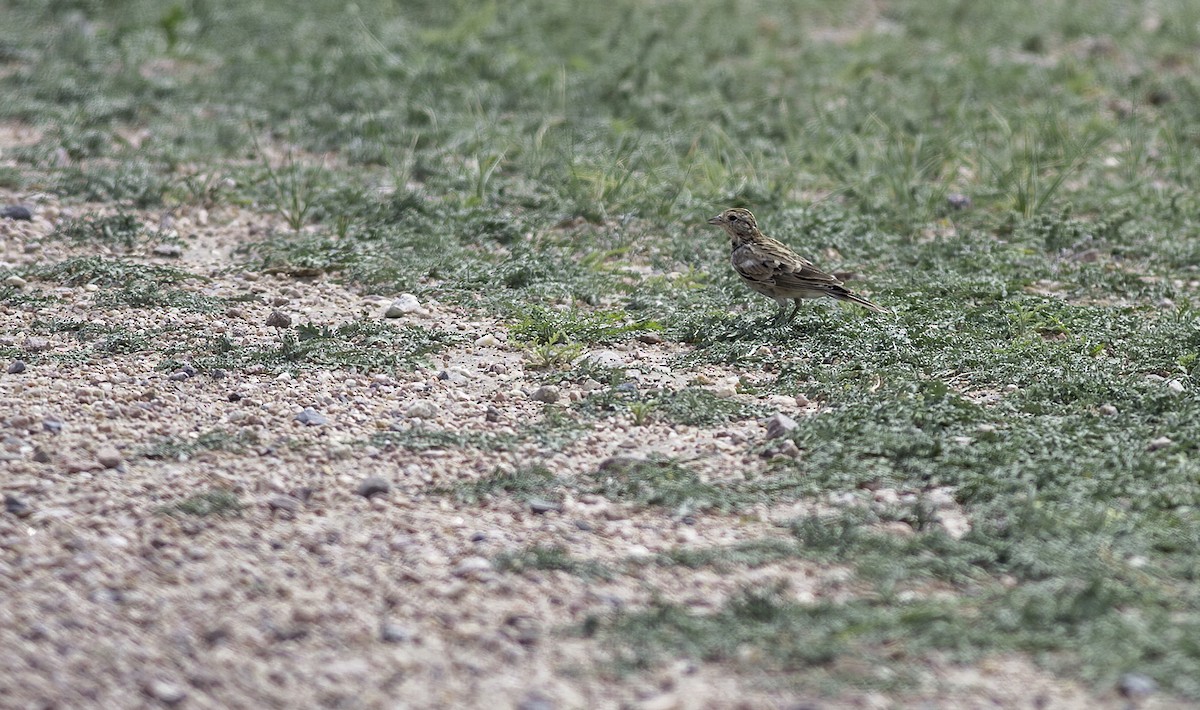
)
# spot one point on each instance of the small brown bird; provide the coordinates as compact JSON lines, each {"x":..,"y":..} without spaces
{"x":770,"y":268}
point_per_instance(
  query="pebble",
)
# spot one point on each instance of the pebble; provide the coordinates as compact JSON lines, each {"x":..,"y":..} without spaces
{"x":801,"y":400}
{"x":173,"y":251}
{"x":546,"y":393}
{"x":1136,"y":685}
{"x":607,"y":358}
{"x":958,"y":201}
{"x":16,"y":506}
{"x":487,"y":341}
{"x":373,"y":486}
{"x":492,"y":415}
{"x":650,"y":338}
{"x":534,"y":700}
{"x":15,"y":281}
{"x":455,"y":376}
{"x":54,"y":426}
{"x":178,"y":376}
{"x":780,"y":425}
{"x":108,"y":456}
{"x":541,"y":506}
{"x":40,"y":455}
{"x":16,"y":367}
{"x":391,"y":632}
{"x":165,"y":692}
{"x":287,"y":504}
{"x":311,"y":417}
{"x":1175,"y":386}
{"x":1161,"y":442}
{"x":279,"y":319}
{"x":35,"y":345}
{"x":472,"y":566}
{"x":421,"y":409}
{"x":1108,"y":410}
{"x":18,"y":212}
{"x":402,"y":306}
{"x":788,"y":448}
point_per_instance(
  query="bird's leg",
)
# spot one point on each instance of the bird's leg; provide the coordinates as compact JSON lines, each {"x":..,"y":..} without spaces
{"x":795,"y":311}
{"x":781,"y":314}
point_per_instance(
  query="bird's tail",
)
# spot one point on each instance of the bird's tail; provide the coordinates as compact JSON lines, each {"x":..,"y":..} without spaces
{"x":844,"y":294}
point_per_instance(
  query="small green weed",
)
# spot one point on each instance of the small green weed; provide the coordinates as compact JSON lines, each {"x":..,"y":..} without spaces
{"x":550,"y":559}
{"x":523,"y":484}
{"x":216,"y":501}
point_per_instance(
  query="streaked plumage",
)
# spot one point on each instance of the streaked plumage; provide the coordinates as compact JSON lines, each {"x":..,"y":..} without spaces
{"x":769,"y":267}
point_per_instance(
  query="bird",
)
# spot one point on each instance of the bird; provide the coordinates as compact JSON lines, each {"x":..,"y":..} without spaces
{"x":769,"y":267}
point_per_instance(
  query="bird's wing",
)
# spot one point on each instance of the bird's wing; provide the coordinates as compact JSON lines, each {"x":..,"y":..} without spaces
{"x":789,"y":270}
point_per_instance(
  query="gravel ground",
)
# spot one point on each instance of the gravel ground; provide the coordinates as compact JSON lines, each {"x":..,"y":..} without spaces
{"x":314,"y":595}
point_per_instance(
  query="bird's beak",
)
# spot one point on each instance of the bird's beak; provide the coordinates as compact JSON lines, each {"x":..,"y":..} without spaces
{"x":715,"y":220}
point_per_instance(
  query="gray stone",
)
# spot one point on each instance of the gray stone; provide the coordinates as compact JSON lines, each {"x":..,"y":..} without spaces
{"x":546,"y":393}
{"x":173,"y":251}
{"x":18,"y":212}
{"x":536,"y":701}
{"x":1136,"y":685}
{"x":390,"y":632}
{"x":16,"y":367}
{"x":421,"y":409}
{"x":958,"y":200}
{"x":780,"y":425}
{"x":373,"y":486}
{"x":16,"y":506}
{"x":540,"y":506}
{"x":287,"y":504}
{"x":108,"y":456}
{"x":311,"y":417}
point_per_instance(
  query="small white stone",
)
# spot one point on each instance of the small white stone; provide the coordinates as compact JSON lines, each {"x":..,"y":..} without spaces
{"x":472,"y":566}
{"x":1161,"y":442}
{"x":1175,"y":386}
{"x":166,"y":693}
{"x":15,"y":281}
{"x":402,"y":306}
{"x":487,"y":341}
{"x":781,"y":401}
{"x":1108,"y":410}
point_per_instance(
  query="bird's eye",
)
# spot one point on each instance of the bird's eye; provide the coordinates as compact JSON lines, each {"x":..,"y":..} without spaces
{"x":733,"y":218}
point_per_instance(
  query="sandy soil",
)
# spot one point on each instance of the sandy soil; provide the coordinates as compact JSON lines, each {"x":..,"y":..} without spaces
{"x":314,"y":595}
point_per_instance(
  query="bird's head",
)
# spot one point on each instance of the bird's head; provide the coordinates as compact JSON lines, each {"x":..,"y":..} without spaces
{"x":737,"y":222}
